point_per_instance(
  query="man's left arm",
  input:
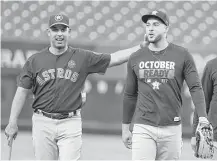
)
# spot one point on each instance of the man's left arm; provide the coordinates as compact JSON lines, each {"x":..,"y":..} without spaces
{"x":207,"y":85}
{"x":98,"y":62}
{"x":207,"y":88}
{"x":122,"y":56}
{"x":193,"y":81}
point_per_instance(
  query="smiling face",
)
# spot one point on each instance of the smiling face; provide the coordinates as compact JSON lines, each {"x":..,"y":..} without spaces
{"x":59,"y":35}
{"x":155,"y":30}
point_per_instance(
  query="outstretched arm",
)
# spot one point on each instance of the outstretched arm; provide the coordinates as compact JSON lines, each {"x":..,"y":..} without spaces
{"x":122,"y":56}
{"x":99,"y":62}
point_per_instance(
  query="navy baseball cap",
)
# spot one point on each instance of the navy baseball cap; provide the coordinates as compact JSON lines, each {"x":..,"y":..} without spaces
{"x":157,"y":14}
{"x":58,"y":19}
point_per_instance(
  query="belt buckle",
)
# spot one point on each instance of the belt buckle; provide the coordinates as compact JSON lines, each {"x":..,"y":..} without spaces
{"x":61,"y":116}
{"x":52,"y":116}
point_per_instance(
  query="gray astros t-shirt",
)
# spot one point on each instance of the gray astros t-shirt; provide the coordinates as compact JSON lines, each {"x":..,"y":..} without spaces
{"x":57,"y":80}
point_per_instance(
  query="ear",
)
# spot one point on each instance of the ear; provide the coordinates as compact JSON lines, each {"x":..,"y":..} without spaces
{"x":48,"y":31}
{"x":166,"y":28}
{"x":70,"y":30}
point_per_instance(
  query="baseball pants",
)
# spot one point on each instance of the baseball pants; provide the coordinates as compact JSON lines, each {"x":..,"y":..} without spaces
{"x":56,"y":139}
{"x":156,"y":143}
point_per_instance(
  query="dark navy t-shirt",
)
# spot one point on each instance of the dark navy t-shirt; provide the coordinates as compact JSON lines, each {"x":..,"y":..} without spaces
{"x":154,"y":83}
{"x":57,"y":80}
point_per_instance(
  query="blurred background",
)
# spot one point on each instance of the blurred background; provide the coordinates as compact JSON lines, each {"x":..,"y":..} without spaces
{"x":101,"y":26}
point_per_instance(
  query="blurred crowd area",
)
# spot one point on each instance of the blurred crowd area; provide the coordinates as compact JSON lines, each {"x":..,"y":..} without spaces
{"x":102,"y":26}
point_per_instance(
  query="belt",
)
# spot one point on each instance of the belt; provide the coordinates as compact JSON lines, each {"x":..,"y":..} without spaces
{"x":58,"y":116}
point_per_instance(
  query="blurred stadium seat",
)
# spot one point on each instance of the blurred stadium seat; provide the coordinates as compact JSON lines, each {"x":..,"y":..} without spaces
{"x":192,"y":22}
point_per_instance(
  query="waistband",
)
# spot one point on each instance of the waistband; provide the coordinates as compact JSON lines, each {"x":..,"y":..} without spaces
{"x":58,"y":116}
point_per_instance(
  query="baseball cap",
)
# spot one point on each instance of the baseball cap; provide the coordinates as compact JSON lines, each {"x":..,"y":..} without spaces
{"x":58,"y":19}
{"x":157,"y":14}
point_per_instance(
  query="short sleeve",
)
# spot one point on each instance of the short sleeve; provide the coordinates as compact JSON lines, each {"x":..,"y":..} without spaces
{"x":97,"y":62}
{"x":25,"y":79}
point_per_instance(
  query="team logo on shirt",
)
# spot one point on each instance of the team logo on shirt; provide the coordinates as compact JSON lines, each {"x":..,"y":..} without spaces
{"x":59,"y":73}
{"x":156,"y":84}
{"x":156,"y":73}
{"x":71,"y":64}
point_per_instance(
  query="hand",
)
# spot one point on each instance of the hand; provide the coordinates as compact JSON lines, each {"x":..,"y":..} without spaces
{"x":11,"y":132}
{"x":127,"y":138}
{"x":145,"y":42}
{"x":203,"y":120}
{"x":204,"y":139}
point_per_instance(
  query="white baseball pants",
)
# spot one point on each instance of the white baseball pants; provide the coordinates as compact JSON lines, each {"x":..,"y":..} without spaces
{"x":56,"y":139}
{"x":156,"y":143}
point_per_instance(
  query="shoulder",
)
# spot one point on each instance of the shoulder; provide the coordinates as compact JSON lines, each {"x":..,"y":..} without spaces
{"x":182,"y":52}
{"x":138,"y":53}
{"x":86,"y":52}
{"x":72,"y":49}
{"x":38,"y":54}
{"x":80,"y":50}
{"x":212,"y":63}
{"x":178,"y":48}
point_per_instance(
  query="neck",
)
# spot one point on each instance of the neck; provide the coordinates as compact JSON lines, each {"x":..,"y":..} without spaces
{"x":57,"y":51}
{"x":160,"y":45}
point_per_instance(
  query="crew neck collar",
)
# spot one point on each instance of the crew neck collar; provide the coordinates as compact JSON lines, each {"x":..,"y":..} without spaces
{"x":58,"y":54}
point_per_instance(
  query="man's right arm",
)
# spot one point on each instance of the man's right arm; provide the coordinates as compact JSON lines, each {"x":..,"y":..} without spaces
{"x":17,"y":104}
{"x":11,"y":129}
{"x":130,"y":96}
{"x":24,"y":83}
{"x":129,"y":105}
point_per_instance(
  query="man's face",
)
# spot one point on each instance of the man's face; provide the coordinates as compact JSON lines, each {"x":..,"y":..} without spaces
{"x":59,"y":35}
{"x":155,"y":29}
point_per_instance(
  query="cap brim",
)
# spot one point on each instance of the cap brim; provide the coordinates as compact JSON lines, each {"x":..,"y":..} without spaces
{"x":59,"y":24}
{"x":146,"y":17}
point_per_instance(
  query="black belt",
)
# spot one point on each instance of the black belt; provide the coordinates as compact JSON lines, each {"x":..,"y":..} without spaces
{"x":57,"y":116}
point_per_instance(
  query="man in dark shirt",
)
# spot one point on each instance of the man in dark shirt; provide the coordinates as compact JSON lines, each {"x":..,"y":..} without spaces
{"x":56,"y":76}
{"x":209,"y":84}
{"x":153,"y":94}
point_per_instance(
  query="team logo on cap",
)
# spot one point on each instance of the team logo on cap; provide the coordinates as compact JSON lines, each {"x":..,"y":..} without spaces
{"x":154,"y":12}
{"x":71,"y":64}
{"x":58,"y":17}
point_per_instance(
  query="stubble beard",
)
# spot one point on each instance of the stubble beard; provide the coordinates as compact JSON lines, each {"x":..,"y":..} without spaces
{"x":157,"y":39}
